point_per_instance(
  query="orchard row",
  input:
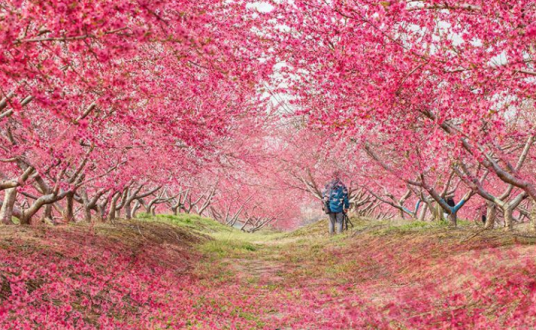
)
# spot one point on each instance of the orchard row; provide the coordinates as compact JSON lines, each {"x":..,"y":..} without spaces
{"x":240,"y":110}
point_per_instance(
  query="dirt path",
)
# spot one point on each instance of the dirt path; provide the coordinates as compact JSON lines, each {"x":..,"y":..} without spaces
{"x":272,"y":275}
{"x":267,"y":273}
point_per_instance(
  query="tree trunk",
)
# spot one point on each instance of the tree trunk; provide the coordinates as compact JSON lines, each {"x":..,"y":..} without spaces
{"x":532,"y":225}
{"x":27,"y":214}
{"x":87,"y":214}
{"x":422,"y":216}
{"x":453,"y":219}
{"x":135,"y":209}
{"x":6,"y":212}
{"x":128,"y":210}
{"x":175,"y":210}
{"x":508,"y":218}
{"x":47,"y":214}
{"x":438,"y":212}
{"x":68,"y":213}
{"x":102,"y":209}
{"x":112,"y":212}
{"x":491,"y":215}
{"x":101,"y":213}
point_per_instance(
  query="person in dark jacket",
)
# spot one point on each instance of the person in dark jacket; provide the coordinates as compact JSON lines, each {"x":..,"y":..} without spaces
{"x":336,"y":198}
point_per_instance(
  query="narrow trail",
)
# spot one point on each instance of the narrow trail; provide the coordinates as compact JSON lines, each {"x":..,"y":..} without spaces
{"x":287,"y":283}
{"x":267,"y":273}
{"x":385,"y":280}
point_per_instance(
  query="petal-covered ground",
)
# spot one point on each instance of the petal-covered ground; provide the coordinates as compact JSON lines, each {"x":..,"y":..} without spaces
{"x":194,"y":274}
{"x":392,"y":278}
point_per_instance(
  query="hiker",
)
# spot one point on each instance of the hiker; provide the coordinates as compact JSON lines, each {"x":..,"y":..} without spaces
{"x":335,"y":197}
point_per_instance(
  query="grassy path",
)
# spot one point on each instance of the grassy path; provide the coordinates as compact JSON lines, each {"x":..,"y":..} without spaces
{"x":394,"y":278}
{"x":291,"y":281}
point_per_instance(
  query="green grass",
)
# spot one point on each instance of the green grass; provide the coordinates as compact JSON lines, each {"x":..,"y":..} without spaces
{"x":191,"y":221}
{"x":226,"y":248}
{"x":227,"y":241}
{"x":231,"y":241}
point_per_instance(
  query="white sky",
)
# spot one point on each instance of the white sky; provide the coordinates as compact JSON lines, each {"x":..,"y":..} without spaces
{"x":263,"y":7}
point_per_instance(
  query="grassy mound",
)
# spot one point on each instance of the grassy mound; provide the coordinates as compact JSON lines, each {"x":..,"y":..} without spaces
{"x":126,"y":275}
{"x":191,"y":222}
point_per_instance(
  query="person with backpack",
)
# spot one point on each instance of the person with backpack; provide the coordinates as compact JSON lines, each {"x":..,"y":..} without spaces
{"x":335,"y":198}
